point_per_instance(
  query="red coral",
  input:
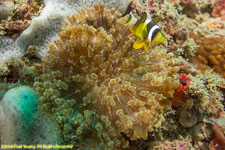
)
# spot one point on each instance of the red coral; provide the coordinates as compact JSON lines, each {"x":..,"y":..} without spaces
{"x":178,"y":95}
{"x":219,"y":9}
{"x":184,"y":83}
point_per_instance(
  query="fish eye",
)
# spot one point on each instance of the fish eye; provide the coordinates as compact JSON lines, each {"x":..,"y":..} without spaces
{"x":155,"y":32}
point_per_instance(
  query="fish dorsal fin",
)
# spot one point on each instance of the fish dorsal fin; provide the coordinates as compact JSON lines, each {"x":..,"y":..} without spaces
{"x":148,"y":15}
{"x":139,"y":28}
{"x":131,"y":19}
{"x":142,"y":19}
{"x":155,"y":20}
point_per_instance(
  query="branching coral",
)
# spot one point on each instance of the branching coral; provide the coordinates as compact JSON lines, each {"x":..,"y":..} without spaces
{"x":94,"y":83}
{"x":211,"y":53}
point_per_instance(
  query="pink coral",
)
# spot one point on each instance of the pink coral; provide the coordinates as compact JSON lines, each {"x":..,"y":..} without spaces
{"x":219,"y":9}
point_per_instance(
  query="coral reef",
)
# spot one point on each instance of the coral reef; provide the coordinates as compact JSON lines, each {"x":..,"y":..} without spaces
{"x":96,"y":92}
{"x":94,"y":80}
{"x":210,"y":53}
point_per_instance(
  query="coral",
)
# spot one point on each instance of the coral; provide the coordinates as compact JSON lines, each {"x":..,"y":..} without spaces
{"x":219,"y":9}
{"x":44,"y":28}
{"x":183,"y":86}
{"x":98,"y":87}
{"x":18,"y":70}
{"x":182,"y":144}
{"x":184,"y":83}
{"x":216,"y":25}
{"x":23,"y":11}
{"x":22,"y":123}
{"x":189,"y":7}
{"x":218,"y":143}
{"x":210,"y":53}
{"x":198,"y":17}
{"x":3,"y":69}
{"x":178,"y":97}
{"x":141,"y":6}
{"x":203,"y":92}
{"x":4,"y":86}
{"x":194,"y":8}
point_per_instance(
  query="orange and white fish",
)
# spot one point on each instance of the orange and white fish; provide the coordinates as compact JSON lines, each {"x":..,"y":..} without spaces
{"x":146,"y":29}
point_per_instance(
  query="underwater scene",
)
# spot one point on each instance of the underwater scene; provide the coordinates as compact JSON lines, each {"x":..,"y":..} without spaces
{"x":112,"y":74}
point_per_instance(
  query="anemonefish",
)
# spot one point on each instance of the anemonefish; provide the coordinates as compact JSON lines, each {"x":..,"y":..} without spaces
{"x":146,"y":29}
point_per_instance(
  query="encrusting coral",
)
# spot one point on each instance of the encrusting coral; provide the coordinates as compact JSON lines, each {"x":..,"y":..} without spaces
{"x":98,"y":87}
{"x":210,"y":53}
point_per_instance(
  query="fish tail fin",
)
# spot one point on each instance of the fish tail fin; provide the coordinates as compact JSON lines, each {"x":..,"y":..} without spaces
{"x":146,"y":46}
{"x":132,"y":29}
{"x":139,"y":44}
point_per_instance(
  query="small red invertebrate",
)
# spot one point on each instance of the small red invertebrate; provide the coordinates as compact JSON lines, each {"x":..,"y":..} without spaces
{"x":178,"y":95}
{"x":184,"y":83}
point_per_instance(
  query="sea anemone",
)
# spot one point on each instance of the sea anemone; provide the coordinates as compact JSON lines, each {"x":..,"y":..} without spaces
{"x":95,"y":84}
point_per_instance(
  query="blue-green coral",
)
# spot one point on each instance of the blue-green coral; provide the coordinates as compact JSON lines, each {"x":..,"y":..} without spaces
{"x":22,"y":123}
